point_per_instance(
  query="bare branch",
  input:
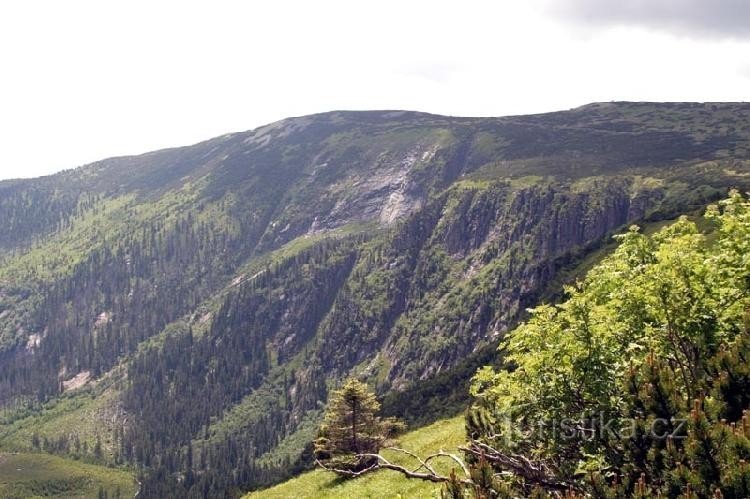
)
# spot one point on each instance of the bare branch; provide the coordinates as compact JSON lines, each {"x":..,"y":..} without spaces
{"x":349,"y":473}
{"x":382,"y":463}
{"x":455,"y":458}
{"x":536,"y":472}
{"x":423,"y":463}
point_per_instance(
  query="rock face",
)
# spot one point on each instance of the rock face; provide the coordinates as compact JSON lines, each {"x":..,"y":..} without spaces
{"x":500,"y":248}
{"x":257,"y":269}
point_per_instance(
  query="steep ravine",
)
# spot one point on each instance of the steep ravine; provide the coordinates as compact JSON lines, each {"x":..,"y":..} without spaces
{"x":421,"y":300}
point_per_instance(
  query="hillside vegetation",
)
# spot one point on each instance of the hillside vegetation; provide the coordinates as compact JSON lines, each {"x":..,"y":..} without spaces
{"x":194,"y":307}
{"x":636,"y":385}
{"x":24,"y":476}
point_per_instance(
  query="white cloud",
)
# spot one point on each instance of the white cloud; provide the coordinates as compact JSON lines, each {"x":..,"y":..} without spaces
{"x":84,"y":80}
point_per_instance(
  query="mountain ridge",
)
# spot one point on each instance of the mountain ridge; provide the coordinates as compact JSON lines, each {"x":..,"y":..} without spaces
{"x":380,"y":112}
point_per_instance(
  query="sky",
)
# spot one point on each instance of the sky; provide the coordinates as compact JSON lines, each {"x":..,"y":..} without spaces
{"x":85,"y":80}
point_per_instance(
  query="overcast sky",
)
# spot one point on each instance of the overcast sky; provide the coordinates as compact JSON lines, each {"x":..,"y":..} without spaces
{"x":85,"y":80}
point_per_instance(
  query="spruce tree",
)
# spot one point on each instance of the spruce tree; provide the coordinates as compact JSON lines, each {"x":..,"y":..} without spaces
{"x":352,"y":432}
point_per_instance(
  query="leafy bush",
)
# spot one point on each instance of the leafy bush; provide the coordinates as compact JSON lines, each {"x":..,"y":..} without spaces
{"x":638,"y":384}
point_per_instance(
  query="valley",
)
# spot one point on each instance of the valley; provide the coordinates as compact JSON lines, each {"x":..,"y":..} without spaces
{"x":184,"y":314}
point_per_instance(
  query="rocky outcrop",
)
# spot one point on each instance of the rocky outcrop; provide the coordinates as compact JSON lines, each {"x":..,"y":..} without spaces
{"x":511,"y":245}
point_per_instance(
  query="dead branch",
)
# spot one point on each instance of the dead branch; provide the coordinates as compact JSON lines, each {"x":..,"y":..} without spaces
{"x":425,"y":462}
{"x":382,"y":463}
{"x":536,"y":472}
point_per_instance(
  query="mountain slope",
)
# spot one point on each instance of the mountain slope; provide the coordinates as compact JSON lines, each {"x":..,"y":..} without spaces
{"x":216,"y":292}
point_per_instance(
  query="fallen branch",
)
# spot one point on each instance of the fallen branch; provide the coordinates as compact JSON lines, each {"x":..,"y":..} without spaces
{"x":536,"y":472}
{"x":426,"y":461}
{"x":381,"y":462}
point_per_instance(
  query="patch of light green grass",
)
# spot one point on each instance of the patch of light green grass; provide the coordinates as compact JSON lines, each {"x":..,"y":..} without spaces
{"x":86,"y":415}
{"x":63,"y":250}
{"x":447,"y":434}
{"x":42,"y":475}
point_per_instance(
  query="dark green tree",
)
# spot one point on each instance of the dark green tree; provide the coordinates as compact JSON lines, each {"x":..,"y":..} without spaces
{"x":352,"y":433}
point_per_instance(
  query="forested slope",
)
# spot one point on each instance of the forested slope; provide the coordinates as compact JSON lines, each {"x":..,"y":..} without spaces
{"x":637,"y":384}
{"x":208,"y":297}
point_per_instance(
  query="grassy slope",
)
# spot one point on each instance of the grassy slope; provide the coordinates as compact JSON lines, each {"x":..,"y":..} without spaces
{"x":446,"y":434}
{"x":24,"y":473}
{"x":86,"y":414}
{"x":43,"y":475}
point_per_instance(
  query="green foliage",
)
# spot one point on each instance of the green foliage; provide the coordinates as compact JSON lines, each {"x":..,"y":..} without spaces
{"x":654,"y":336}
